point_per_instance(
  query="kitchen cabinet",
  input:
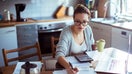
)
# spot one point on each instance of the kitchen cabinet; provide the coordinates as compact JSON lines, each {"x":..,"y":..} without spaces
{"x":101,"y":31}
{"x":8,"y":40}
{"x":27,"y":34}
{"x":120,"y":38}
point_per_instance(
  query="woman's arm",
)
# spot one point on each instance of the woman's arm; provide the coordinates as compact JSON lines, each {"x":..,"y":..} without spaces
{"x":62,"y":61}
{"x":63,"y":49}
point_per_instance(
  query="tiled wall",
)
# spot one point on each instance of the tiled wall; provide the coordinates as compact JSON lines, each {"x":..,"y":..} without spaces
{"x":36,"y":8}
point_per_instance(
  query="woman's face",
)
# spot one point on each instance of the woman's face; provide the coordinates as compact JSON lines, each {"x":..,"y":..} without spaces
{"x":80,"y":21}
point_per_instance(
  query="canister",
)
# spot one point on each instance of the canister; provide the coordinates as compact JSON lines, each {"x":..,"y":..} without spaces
{"x":6,"y":16}
{"x":70,"y":11}
{"x":94,"y":13}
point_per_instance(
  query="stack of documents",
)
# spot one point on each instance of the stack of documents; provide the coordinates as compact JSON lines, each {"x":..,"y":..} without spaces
{"x":111,"y":66}
{"x":84,"y":68}
{"x":112,"y":61}
{"x":75,"y":63}
{"x":80,"y":72}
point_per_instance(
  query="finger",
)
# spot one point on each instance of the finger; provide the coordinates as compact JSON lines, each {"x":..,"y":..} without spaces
{"x":76,"y":69}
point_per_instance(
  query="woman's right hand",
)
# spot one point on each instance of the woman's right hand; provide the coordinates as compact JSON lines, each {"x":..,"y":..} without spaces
{"x":72,"y":71}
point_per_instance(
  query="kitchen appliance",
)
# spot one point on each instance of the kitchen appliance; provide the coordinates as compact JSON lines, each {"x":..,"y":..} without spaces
{"x":29,"y":68}
{"x":19,"y":9}
{"x":46,"y":31}
{"x":120,"y":39}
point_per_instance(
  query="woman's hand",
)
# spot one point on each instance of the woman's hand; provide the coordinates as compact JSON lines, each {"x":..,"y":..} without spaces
{"x":72,"y":71}
{"x":67,"y":66}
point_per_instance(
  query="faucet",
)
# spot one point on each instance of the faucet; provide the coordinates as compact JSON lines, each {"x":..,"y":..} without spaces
{"x":106,"y":6}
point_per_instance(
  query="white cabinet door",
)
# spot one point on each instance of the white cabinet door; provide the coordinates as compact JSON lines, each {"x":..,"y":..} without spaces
{"x":101,"y":31}
{"x":8,"y":40}
{"x":120,"y":38}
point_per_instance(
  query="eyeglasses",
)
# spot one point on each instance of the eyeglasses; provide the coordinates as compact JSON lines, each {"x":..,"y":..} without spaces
{"x":78,"y":23}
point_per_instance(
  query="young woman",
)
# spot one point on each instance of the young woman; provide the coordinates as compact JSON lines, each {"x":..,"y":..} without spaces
{"x":76,"y":38}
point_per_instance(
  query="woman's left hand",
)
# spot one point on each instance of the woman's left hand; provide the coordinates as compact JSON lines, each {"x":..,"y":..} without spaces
{"x":72,"y":71}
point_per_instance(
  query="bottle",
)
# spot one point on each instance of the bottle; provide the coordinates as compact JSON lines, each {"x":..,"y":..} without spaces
{"x":87,"y":3}
{"x":6,"y":15}
{"x":0,"y":17}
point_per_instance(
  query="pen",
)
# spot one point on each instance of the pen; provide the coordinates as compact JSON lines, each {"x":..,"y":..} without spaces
{"x":71,"y":65}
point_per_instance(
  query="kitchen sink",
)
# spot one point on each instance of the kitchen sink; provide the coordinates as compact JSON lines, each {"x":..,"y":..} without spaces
{"x":104,"y":20}
{"x":124,"y":25}
{"x":108,"y":21}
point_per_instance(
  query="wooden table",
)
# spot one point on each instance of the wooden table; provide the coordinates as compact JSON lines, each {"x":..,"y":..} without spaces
{"x":10,"y":69}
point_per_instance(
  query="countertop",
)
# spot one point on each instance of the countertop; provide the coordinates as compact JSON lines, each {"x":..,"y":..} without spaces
{"x":13,"y":23}
{"x":110,"y":22}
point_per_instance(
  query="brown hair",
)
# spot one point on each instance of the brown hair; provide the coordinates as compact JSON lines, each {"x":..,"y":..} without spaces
{"x":80,"y":8}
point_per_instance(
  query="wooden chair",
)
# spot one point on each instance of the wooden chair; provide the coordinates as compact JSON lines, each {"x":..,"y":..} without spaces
{"x":1,"y":70}
{"x":24,"y":56}
{"x":54,"y":41}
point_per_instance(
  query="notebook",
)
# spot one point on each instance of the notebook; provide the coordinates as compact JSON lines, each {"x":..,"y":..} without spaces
{"x":83,"y":58}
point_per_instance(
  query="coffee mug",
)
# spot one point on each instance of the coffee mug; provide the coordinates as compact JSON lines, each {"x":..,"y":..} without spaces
{"x":100,"y":44}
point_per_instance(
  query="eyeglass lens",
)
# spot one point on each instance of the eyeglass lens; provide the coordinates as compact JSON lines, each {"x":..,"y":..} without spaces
{"x":84,"y":23}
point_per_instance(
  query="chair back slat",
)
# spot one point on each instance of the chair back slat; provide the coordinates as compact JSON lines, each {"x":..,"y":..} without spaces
{"x":24,"y":56}
{"x":54,"y":41}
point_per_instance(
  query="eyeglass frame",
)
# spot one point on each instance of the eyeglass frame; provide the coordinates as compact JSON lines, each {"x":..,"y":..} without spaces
{"x":78,"y":23}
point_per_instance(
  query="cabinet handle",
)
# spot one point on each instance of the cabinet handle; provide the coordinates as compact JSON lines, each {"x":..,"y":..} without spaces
{"x":123,"y":33}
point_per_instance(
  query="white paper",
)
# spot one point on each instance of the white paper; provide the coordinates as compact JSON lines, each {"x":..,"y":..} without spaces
{"x":19,"y":64}
{"x":129,"y":64}
{"x":112,"y":60}
{"x":91,"y":71}
{"x":72,"y":59}
{"x":75,"y":63}
{"x":60,"y":72}
{"x":111,"y":66}
{"x":81,"y":66}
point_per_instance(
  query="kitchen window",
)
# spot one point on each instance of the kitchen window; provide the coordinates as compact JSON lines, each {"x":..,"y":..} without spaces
{"x":126,"y":8}
{"x":129,"y":6}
